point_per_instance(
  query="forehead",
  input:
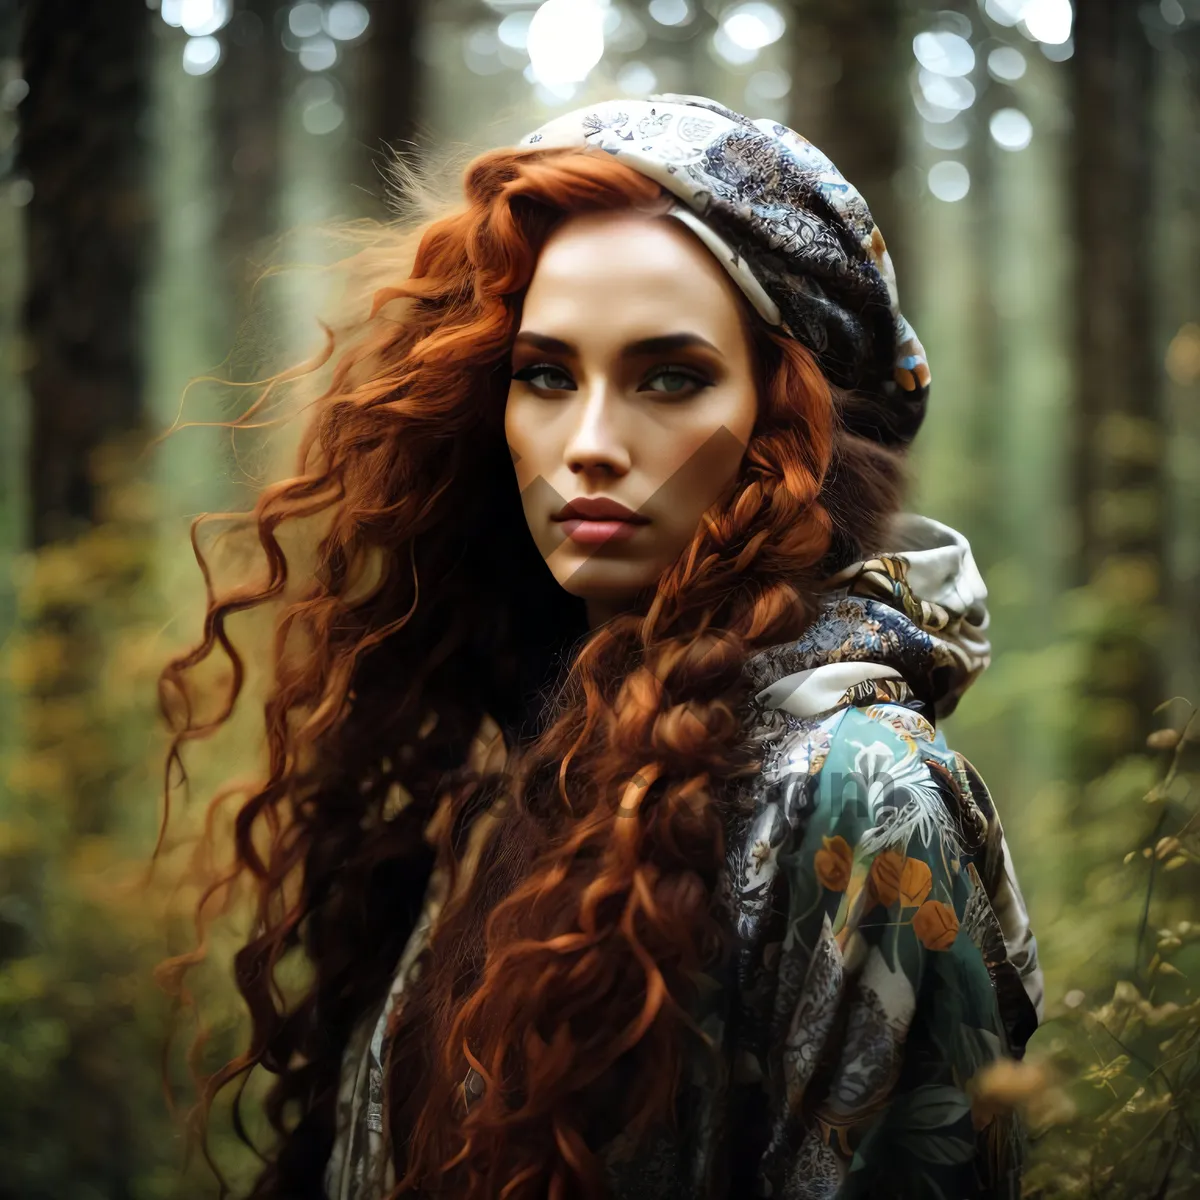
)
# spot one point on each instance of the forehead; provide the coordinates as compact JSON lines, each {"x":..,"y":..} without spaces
{"x":629,"y":271}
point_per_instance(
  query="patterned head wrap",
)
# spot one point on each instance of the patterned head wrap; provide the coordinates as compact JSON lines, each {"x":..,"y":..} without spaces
{"x":795,"y":236}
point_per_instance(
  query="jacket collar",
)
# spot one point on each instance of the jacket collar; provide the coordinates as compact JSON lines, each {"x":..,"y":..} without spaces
{"x":911,"y":618}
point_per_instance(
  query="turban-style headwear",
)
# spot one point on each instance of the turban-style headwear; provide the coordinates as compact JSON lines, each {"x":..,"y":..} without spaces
{"x":796,"y":237}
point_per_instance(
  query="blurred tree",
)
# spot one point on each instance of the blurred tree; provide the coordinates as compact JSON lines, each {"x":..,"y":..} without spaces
{"x":849,"y":96}
{"x":1179,"y":243}
{"x":79,"y":1063}
{"x":81,"y":147}
{"x":387,"y":87}
{"x":246,"y":116}
{"x":1119,"y":482}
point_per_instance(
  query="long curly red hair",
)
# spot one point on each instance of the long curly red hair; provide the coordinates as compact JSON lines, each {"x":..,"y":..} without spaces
{"x":567,"y":959}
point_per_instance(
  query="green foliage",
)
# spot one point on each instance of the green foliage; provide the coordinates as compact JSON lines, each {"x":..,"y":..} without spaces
{"x":83,"y":1027}
{"x":82,"y":927}
{"x":1128,"y":1035}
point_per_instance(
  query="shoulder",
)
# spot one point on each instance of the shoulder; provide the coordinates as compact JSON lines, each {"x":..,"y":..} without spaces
{"x":865,"y":815}
{"x":869,"y":945}
{"x":879,"y":771}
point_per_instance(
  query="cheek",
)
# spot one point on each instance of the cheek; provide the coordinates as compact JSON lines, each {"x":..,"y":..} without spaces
{"x":704,"y":456}
{"x":521,"y":433}
{"x":744,"y":412}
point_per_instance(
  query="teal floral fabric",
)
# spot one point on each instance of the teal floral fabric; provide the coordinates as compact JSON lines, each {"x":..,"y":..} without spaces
{"x":881,"y":950}
{"x":869,"y":985}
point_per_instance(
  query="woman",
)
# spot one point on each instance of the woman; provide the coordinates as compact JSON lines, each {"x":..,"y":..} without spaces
{"x":606,"y":799}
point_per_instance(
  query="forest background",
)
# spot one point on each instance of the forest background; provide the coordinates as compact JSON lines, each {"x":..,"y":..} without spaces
{"x":168,"y":169}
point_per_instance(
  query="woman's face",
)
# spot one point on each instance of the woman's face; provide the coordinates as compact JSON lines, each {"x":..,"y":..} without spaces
{"x":632,"y":400}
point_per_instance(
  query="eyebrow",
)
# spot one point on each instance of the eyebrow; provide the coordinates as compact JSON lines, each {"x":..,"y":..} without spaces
{"x":667,"y":344}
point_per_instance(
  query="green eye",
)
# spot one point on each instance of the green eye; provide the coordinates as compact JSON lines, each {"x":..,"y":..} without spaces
{"x":553,"y":379}
{"x":675,"y":381}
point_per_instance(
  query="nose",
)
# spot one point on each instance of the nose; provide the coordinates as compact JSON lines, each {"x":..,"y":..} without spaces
{"x":597,"y":445}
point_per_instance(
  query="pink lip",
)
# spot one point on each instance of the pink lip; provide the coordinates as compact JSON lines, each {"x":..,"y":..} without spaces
{"x":594,"y":520}
{"x":596,"y":533}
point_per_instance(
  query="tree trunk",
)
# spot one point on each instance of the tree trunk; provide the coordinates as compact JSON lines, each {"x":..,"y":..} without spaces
{"x":246,"y":114}
{"x":1179,"y":245}
{"x":386,"y":90}
{"x":849,"y":64}
{"x":82,"y":129}
{"x":87,"y":229}
{"x":1119,"y":479}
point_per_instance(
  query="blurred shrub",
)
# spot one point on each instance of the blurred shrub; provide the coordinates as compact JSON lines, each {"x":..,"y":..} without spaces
{"x":1111,"y":1090}
{"x":82,"y":926}
{"x":1129,"y":1040}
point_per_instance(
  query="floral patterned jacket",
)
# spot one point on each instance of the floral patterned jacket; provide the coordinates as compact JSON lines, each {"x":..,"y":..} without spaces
{"x":882,"y":950}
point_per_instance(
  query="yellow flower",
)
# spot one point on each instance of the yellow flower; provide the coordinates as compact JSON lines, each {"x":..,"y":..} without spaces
{"x":936,"y":925}
{"x":915,"y":883}
{"x":894,"y":877}
{"x":884,"y":879}
{"x":833,"y":862}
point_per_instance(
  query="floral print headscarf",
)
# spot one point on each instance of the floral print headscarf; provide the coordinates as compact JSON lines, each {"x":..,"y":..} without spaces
{"x":795,"y":236}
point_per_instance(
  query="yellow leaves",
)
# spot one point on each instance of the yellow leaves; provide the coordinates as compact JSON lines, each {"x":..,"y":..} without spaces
{"x":1146,"y":1103}
{"x":1183,"y":355}
{"x":16,"y":838}
{"x":1129,"y":580}
{"x":1030,"y":1088}
{"x":1128,"y":1009}
{"x":58,"y":576}
{"x":1163,"y":739}
{"x":38,"y":660}
{"x":1173,"y":851}
{"x":1102,"y":1074}
{"x":42,"y":774}
{"x":22,"y":981}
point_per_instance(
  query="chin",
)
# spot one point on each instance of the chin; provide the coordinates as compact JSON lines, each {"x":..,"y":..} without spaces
{"x":608,"y":582}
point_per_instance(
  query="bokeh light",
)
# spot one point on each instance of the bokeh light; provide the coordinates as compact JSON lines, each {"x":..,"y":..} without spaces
{"x":771,"y":85}
{"x":201,"y":18}
{"x":1172,"y":12}
{"x":950,"y":135}
{"x":201,"y":54}
{"x":318,"y":53}
{"x":20,"y":192}
{"x":753,"y":26}
{"x":949,"y":180}
{"x":565,"y":41}
{"x":670,"y":12}
{"x":726,"y":50}
{"x":513,"y":30}
{"x":1010,"y":129}
{"x":481,"y":47}
{"x":1048,"y":21}
{"x":346,"y":20}
{"x":636,"y":79}
{"x":1006,"y":63}
{"x":950,"y":92}
{"x":944,"y":53}
{"x":304,"y":20}
{"x":623,"y":32}
{"x":1004,"y":12}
